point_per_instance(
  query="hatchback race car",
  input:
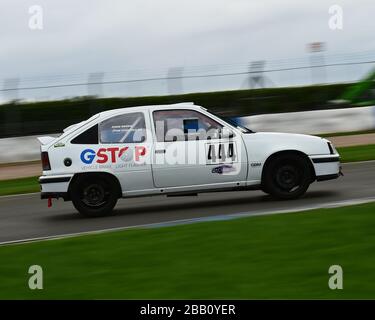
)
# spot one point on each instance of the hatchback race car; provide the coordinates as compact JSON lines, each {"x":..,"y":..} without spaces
{"x":178,"y":149}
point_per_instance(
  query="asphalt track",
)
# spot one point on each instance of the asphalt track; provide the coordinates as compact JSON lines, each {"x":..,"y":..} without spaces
{"x":27,"y":217}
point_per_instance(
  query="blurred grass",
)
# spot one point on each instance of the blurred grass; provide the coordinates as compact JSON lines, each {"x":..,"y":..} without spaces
{"x":27,"y":185}
{"x":357,"y":153}
{"x":18,"y":186}
{"x":278,"y":256}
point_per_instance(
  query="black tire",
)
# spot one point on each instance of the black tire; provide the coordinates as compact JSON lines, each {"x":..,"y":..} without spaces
{"x":94,"y":195}
{"x":287,"y":176}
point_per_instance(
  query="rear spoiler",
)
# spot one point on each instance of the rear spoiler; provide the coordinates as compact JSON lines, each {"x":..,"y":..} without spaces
{"x":46,"y":139}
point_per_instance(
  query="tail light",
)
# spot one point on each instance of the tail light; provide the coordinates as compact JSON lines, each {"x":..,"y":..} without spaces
{"x":45,"y":161}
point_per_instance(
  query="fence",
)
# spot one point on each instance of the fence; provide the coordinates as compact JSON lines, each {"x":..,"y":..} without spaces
{"x":332,"y":68}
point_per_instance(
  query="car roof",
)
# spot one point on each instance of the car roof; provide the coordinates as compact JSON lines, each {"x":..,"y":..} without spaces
{"x":182,"y":105}
{"x":108,"y":113}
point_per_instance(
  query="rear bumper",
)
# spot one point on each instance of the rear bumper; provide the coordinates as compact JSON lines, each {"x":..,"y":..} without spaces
{"x":54,"y":186}
{"x":55,"y":195}
{"x":47,"y":179}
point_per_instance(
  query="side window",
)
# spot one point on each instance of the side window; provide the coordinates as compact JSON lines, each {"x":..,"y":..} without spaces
{"x":183,"y":125}
{"x":125,"y":128}
{"x":90,"y":136}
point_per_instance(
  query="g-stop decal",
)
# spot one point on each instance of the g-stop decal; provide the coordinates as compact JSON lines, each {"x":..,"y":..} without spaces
{"x":112,"y":155}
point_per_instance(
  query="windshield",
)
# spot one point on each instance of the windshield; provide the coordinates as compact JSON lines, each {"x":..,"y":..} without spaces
{"x":234,"y":123}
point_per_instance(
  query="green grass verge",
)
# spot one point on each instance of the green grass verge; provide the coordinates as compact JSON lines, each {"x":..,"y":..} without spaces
{"x":17,"y":186}
{"x":357,"y":153}
{"x":277,"y":256}
{"x":27,"y":185}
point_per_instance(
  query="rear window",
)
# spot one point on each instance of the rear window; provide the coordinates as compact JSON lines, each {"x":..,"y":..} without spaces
{"x":125,"y":128}
{"x":90,"y":136}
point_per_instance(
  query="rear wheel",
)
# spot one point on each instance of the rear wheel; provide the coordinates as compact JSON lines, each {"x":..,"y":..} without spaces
{"x":94,"y":195}
{"x":287,"y":176}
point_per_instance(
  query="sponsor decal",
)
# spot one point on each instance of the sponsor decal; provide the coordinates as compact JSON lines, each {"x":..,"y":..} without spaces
{"x":224,"y":169}
{"x":112,"y":155}
{"x":256,"y":164}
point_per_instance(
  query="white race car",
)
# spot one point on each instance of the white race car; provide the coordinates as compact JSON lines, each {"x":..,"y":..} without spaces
{"x":179,"y":149}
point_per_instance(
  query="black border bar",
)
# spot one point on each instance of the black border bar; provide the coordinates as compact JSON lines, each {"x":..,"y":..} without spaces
{"x":327,"y":159}
{"x":43,"y":180}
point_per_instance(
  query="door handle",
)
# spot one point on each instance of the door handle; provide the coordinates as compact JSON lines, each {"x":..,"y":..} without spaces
{"x":160,"y":151}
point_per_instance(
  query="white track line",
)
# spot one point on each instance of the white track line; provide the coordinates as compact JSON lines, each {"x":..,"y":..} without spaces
{"x":197,"y":220}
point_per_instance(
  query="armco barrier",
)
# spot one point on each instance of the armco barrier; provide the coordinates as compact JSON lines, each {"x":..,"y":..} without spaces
{"x":19,"y":149}
{"x":314,"y":122}
{"x":322,"y":121}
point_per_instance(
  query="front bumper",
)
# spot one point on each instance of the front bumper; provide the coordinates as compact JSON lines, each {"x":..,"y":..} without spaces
{"x":327,"y":167}
{"x":327,"y":177}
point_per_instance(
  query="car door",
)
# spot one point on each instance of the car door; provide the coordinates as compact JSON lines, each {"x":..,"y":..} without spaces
{"x":191,"y":148}
{"x":125,"y":145}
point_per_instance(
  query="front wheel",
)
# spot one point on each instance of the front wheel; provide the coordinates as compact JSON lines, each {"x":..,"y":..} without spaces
{"x":94,"y":196}
{"x":287,"y":177}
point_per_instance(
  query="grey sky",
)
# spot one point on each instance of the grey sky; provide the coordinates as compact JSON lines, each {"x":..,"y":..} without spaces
{"x":118,"y":35}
